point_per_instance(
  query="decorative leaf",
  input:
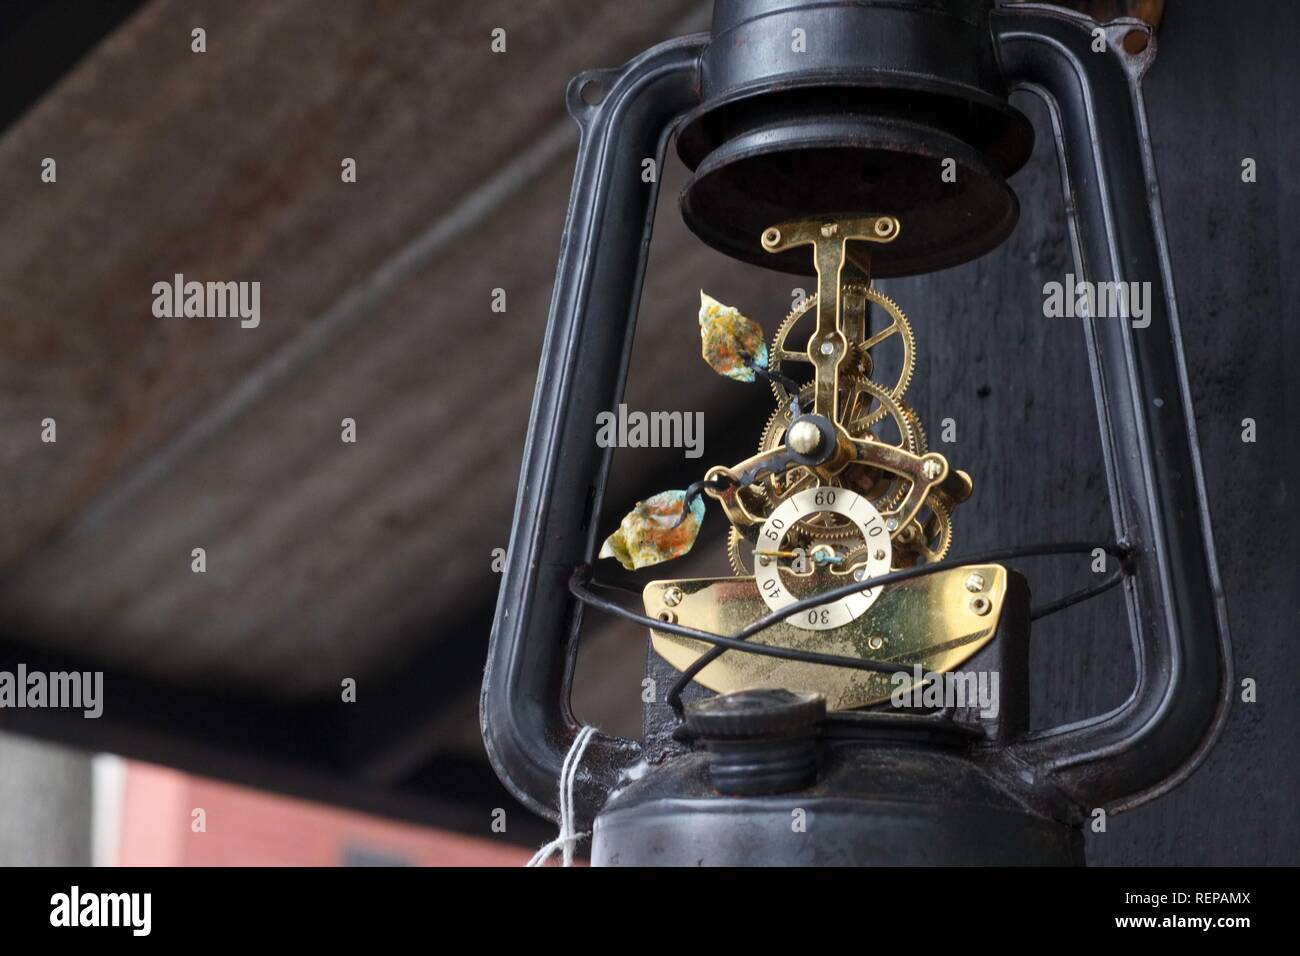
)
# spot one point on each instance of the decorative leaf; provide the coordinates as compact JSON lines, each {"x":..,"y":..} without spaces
{"x":728,"y":340}
{"x":650,"y":532}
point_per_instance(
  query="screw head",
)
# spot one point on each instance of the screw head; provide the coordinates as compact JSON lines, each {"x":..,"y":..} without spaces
{"x":830,"y":229}
{"x":930,"y":469}
{"x":975,"y":581}
{"x":880,"y":555}
{"x":804,"y":437}
{"x":827,"y":348}
{"x":673,"y":596}
{"x":891,"y":524}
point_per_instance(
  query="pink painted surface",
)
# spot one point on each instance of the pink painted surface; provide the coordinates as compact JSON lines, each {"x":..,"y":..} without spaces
{"x":247,"y":827}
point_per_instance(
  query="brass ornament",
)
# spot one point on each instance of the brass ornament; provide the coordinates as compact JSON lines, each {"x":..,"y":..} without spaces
{"x":927,"y":621}
{"x":843,"y":488}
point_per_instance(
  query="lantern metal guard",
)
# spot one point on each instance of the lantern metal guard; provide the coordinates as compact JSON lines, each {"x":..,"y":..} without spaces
{"x":908,"y":80}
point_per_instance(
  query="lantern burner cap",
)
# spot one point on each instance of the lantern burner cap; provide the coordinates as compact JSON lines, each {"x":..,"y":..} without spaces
{"x":955,"y":204}
{"x":875,"y":107}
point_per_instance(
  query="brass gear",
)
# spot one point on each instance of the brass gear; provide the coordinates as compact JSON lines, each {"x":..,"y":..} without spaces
{"x":769,"y":490}
{"x":911,"y":435}
{"x":918,"y":430}
{"x":899,"y":326}
{"x":935,"y":532}
{"x":865,"y":404}
{"x":733,"y":553}
{"x":911,"y":438}
{"x":881,"y":494}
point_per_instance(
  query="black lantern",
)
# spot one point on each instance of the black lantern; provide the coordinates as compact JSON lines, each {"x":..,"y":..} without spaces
{"x":860,"y":122}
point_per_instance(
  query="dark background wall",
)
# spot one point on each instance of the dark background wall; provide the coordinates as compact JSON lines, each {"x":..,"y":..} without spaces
{"x":1226,"y":86}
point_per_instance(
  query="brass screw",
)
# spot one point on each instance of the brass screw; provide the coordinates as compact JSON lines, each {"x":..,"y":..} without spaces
{"x":880,"y":555}
{"x":804,"y":437}
{"x":930,"y":469}
{"x":975,"y":581}
{"x":830,"y":229}
{"x":980,"y":605}
{"x":673,"y":596}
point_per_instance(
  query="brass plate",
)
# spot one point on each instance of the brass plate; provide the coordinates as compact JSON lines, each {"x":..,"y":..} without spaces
{"x":931,"y":621}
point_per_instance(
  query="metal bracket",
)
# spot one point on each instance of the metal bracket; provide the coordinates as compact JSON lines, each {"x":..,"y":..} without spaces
{"x":1157,"y":491}
{"x":524,"y":710}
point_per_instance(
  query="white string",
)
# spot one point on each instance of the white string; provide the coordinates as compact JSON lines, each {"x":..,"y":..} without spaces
{"x":568,"y":839}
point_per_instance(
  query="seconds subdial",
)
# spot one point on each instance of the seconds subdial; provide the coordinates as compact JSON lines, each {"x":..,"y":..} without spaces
{"x":772,"y":549}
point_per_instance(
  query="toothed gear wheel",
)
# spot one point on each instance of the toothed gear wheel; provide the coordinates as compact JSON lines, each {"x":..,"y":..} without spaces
{"x":885,"y":491}
{"x":864,"y":405}
{"x":899,"y":326}
{"x":918,"y":430}
{"x":855,"y":420}
{"x":737,"y":563}
{"x":880,"y":488}
{"x":936,"y":531}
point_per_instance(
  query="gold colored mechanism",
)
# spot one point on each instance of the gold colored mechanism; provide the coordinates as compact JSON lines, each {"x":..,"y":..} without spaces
{"x":881,"y":502}
{"x":933,"y":622}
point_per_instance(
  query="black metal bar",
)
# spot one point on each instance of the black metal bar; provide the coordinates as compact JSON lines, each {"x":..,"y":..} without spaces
{"x":527,"y":723}
{"x":1175,"y":599}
